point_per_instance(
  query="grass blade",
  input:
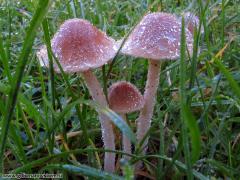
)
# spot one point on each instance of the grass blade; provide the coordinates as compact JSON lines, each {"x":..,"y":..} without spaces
{"x":234,"y":85}
{"x":183,"y":102}
{"x":120,"y":123}
{"x":194,"y":133}
{"x":22,"y":61}
{"x":4,"y":59}
{"x":84,"y":170}
{"x":51,"y":79}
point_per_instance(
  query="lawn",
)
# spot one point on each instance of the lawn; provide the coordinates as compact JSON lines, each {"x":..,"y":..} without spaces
{"x":49,"y":122}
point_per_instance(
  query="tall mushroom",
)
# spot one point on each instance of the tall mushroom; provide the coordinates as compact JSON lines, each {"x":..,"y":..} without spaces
{"x":157,"y":38}
{"x":123,"y":98}
{"x":81,"y":47}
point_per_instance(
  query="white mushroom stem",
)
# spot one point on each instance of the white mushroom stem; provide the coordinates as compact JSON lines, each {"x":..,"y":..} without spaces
{"x":144,"y":119}
{"x":97,"y":94}
{"x":126,"y":143}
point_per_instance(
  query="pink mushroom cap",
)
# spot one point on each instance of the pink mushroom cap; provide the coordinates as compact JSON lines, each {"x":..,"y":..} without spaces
{"x":157,"y":37}
{"x":80,"y":46}
{"x":124,"y":97}
{"x":191,"y":22}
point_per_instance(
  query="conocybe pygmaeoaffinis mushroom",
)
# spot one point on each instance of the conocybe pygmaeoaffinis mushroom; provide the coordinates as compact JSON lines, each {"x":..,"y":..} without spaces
{"x":81,"y":47}
{"x":157,"y":37}
{"x":192,"y":21}
{"x":123,"y":98}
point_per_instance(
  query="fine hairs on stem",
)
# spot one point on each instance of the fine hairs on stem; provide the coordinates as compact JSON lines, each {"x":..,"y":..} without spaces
{"x":144,"y":119}
{"x":97,"y":94}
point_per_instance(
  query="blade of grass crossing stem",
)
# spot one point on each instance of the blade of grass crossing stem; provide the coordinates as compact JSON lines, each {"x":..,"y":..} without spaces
{"x":41,"y":11}
{"x":51,"y":77}
{"x":183,"y":101}
{"x":119,"y":122}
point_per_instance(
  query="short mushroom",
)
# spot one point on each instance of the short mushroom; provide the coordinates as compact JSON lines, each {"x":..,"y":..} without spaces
{"x":81,"y":47}
{"x":157,"y":38}
{"x":123,"y":98}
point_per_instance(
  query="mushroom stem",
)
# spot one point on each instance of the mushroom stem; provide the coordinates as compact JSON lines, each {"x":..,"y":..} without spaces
{"x":126,"y":143}
{"x":144,"y":119}
{"x":97,"y":94}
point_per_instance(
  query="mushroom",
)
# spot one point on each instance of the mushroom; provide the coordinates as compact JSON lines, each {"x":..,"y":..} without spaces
{"x":192,"y":22}
{"x":123,"y":98}
{"x":157,"y":38}
{"x":81,"y":47}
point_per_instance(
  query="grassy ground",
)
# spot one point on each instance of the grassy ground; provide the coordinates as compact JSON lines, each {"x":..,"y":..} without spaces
{"x":46,"y":131}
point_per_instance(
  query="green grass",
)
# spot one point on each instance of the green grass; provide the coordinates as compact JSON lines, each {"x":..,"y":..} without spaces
{"x":196,"y":124}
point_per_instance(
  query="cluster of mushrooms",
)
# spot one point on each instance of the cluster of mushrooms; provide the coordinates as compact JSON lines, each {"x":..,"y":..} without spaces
{"x":80,"y":48}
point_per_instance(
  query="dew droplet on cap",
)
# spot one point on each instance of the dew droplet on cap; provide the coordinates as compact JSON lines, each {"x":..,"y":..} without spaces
{"x":157,"y":37}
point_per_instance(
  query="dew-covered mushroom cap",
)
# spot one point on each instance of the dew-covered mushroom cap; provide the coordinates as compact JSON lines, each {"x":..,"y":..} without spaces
{"x":191,"y":22}
{"x":124,"y":97}
{"x":80,"y":46}
{"x":157,"y":37}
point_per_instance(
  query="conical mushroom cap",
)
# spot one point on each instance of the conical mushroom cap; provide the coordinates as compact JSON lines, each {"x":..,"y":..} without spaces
{"x":80,"y":46}
{"x":157,"y":37}
{"x":124,"y":97}
{"x":191,"y":22}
